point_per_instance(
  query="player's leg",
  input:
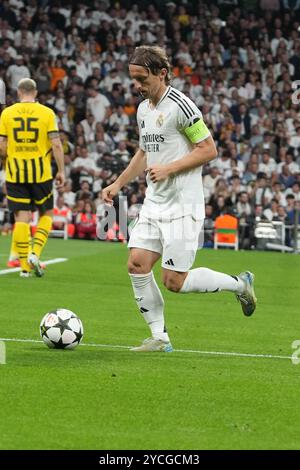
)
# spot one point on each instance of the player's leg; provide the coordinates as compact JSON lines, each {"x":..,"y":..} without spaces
{"x":179,"y":254}
{"x":21,"y":240}
{"x":40,"y":238}
{"x":43,"y":198}
{"x":20,"y":204}
{"x":201,"y":280}
{"x":206,"y":280}
{"x":42,"y":232}
{"x":145,"y":249}
{"x":13,"y":260}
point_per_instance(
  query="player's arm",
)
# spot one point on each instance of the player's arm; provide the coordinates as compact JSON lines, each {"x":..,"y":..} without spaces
{"x":58,"y":154}
{"x":203,"y":152}
{"x":136,"y":167}
{"x":3,"y":147}
{"x":3,"y":137}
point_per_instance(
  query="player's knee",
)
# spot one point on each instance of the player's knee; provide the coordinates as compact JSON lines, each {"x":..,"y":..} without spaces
{"x":172,"y":283}
{"x":134,"y":266}
{"x":48,"y":212}
{"x":23,"y":216}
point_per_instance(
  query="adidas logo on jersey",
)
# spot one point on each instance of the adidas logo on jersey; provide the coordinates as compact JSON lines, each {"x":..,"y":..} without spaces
{"x":170,"y":262}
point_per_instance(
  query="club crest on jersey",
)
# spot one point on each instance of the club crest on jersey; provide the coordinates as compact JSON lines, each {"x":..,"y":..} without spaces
{"x":160,"y":120}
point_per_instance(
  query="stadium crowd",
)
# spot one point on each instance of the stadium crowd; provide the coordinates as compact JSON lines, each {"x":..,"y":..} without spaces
{"x":239,"y":61}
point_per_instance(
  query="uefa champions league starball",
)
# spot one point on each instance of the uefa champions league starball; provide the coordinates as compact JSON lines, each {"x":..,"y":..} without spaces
{"x":61,"y":329}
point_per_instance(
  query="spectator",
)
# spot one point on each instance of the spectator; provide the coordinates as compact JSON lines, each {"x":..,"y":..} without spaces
{"x":220,"y":207}
{"x":68,"y":194}
{"x":271,"y":212}
{"x":294,"y":140}
{"x":16,"y":72}
{"x":98,"y":105}
{"x":267,"y":165}
{"x":268,"y":144}
{"x":286,"y":178}
{"x":209,"y":181}
{"x":262,"y":192}
{"x":83,"y":167}
{"x":86,"y":222}
{"x":84,"y":192}
{"x":243,"y":207}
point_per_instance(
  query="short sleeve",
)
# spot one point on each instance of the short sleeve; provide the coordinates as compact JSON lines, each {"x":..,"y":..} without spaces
{"x":3,"y":128}
{"x":140,"y":124}
{"x":52,"y":123}
{"x":190,"y":121}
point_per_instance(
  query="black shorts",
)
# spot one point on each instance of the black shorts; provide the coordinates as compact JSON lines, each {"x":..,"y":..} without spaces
{"x":30,"y":196}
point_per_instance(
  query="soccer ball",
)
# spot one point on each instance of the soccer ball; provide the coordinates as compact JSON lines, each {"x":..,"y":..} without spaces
{"x":61,"y":329}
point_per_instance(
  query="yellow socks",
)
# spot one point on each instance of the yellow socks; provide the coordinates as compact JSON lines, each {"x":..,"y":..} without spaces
{"x":21,"y":243}
{"x":13,"y":248}
{"x":41,"y":234}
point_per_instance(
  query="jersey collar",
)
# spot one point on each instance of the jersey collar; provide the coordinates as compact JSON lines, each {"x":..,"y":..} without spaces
{"x":162,"y":98}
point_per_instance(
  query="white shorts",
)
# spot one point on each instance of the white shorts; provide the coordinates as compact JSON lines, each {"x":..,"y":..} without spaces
{"x":176,"y":240}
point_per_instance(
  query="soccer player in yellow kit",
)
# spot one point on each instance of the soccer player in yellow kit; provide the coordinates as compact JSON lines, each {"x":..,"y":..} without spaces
{"x":28,"y":138}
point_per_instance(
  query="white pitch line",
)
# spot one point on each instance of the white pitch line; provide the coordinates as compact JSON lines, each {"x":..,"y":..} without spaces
{"x":49,"y":261}
{"x":195,"y":351}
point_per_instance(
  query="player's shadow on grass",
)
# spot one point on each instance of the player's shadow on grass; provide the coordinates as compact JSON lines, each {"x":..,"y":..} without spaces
{"x":57,"y":358}
{"x":61,"y":356}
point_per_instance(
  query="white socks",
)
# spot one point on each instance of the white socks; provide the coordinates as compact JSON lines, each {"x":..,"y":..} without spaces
{"x":206,"y":280}
{"x":150,"y":303}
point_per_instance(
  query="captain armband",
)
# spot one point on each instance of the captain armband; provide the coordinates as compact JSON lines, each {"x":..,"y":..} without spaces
{"x":197,"y":131}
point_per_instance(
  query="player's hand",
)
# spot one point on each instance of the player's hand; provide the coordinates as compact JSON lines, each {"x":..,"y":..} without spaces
{"x":158,"y":172}
{"x":59,"y":180}
{"x":110,"y":192}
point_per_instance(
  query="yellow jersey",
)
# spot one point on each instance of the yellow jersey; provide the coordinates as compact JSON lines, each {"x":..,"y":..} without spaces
{"x":27,"y":126}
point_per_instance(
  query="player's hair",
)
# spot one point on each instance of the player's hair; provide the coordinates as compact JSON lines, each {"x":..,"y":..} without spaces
{"x":27,"y":85}
{"x":153,"y":58}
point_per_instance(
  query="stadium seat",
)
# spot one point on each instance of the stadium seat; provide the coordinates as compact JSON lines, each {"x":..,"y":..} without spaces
{"x":226,"y":232}
{"x":62,"y":232}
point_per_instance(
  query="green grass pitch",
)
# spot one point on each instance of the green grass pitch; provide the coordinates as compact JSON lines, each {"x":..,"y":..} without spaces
{"x":104,"y":397}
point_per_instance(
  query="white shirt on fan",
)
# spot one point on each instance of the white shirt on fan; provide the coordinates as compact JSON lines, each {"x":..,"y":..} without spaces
{"x":163,"y":139}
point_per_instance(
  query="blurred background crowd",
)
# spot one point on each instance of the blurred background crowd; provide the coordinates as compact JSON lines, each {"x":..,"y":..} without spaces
{"x":239,"y":61}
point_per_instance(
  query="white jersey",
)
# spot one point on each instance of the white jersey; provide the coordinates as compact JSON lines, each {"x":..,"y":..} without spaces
{"x":163,"y":139}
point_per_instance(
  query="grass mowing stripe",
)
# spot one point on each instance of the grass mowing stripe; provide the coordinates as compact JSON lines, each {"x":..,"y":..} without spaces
{"x":196,"y":351}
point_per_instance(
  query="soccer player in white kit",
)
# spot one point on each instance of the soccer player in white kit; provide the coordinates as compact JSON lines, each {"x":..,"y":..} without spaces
{"x":174,"y":145}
